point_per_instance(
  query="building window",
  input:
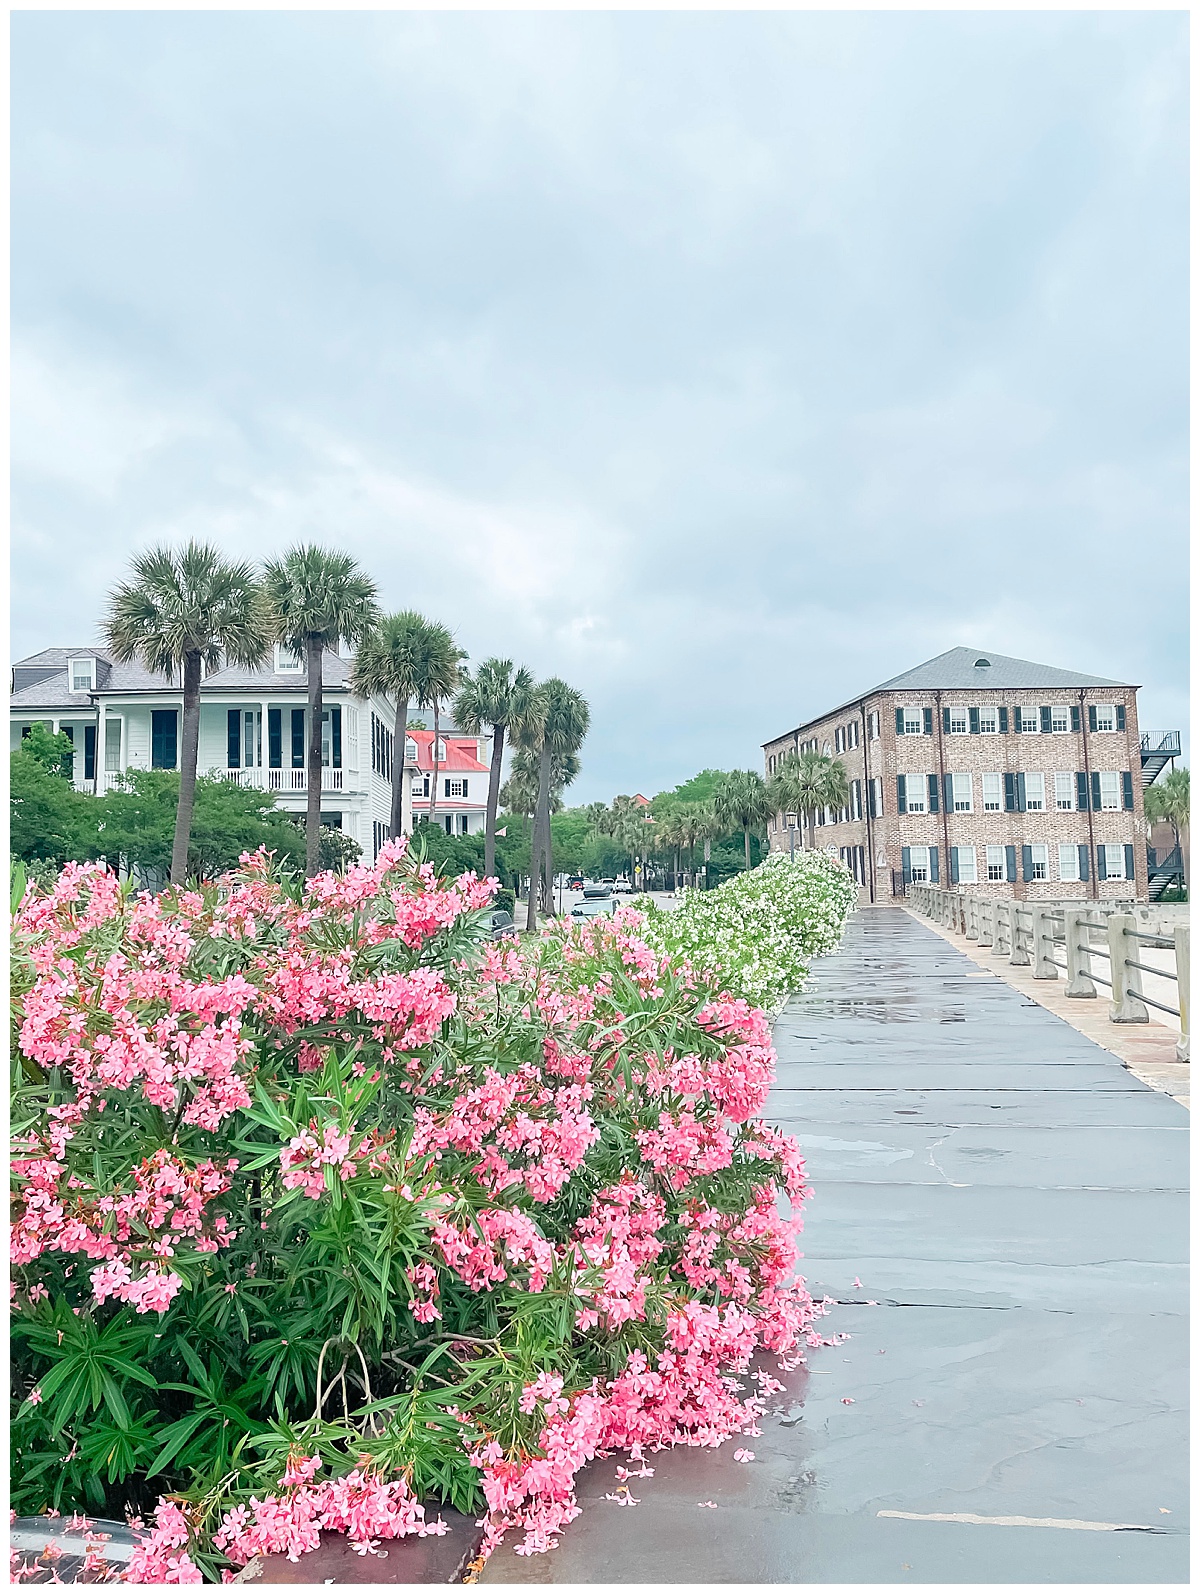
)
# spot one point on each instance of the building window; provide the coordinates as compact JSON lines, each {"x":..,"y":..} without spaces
{"x":852,"y":734}
{"x":456,"y":788}
{"x":915,"y":787}
{"x":919,"y":863}
{"x":1060,"y":717}
{"x":959,"y":721}
{"x":1068,"y":861}
{"x":989,"y":723}
{"x":1106,"y":718}
{"x":440,"y":755}
{"x":287,"y":662}
{"x":839,"y":740}
{"x":464,"y":824}
{"x":1064,"y":793}
{"x":991,"y":794}
{"x":410,"y":751}
{"x":914,"y":722}
{"x":112,"y":746}
{"x":856,"y":799}
{"x":1114,"y":862}
{"x":875,"y":791}
{"x":966,"y":866}
{"x":873,"y":725}
{"x":995,"y":862}
{"x":1035,"y":793}
{"x":83,"y":675}
{"x":1110,"y":788}
{"x":448,"y":824}
{"x":1038,"y":863}
{"x":381,"y":748}
{"x":961,"y":786}
{"x":1028,"y":719}
{"x":164,"y":738}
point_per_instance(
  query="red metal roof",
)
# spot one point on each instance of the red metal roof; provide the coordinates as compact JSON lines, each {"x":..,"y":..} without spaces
{"x":461,"y":753}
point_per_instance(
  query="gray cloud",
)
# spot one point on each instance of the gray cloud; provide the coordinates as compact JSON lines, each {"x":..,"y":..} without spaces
{"x":723,"y":363}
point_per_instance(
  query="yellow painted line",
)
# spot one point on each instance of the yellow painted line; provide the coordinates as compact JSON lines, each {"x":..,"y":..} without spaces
{"x":1019,"y":1522}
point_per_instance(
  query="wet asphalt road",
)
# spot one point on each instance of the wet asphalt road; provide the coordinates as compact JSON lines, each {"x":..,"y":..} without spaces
{"x":1015,"y":1201}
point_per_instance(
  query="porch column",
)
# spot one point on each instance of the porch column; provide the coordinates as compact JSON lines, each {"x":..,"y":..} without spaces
{"x":264,"y":769}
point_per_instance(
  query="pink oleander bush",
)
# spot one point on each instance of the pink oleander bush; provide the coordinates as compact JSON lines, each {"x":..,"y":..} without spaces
{"x":328,"y":1210}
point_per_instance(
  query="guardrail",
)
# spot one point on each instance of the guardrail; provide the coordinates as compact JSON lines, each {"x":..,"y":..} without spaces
{"x":1034,"y":933}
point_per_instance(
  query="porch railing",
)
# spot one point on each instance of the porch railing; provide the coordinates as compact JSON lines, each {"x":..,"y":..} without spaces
{"x":280,"y":780}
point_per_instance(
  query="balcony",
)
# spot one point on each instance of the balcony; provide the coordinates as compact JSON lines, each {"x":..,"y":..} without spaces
{"x":284,"y":781}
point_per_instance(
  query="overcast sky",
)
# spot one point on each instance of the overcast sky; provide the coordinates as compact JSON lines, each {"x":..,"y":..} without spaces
{"x":724,"y":364}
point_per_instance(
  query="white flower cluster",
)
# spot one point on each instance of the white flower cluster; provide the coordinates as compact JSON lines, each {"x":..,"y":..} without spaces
{"x":760,"y":930}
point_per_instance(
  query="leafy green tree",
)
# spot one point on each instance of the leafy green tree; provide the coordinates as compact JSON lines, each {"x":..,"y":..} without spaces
{"x":48,"y":817}
{"x":135,"y":821}
{"x":495,"y":695}
{"x":742,"y":800}
{"x":318,"y":597}
{"x":391,"y":661}
{"x":182,"y":612}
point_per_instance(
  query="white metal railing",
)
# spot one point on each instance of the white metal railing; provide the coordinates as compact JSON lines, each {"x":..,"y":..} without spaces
{"x":1035,"y":932}
{"x":281,"y":780}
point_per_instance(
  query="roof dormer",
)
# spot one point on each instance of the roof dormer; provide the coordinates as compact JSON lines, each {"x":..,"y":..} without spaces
{"x":287,"y":662}
{"x":81,"y":674}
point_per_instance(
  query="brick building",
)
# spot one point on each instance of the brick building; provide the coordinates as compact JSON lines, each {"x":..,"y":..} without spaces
{"x":979,"y":770}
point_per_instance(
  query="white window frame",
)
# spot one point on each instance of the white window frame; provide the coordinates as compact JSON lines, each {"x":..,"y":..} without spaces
{"x":994,"y":859}
{"x":852,"y":735}
{"x":990,"y":806}
{"x":994,"y":728}
{"x":960,"y":720}
{"x":80,"y":667}
{"x":1035,"y":782}
{"x":964,"y":793}
{"x":965,"y":878}
{"x":1064,"y":792}
{"x":1111,"y":714}
{"x":1111,"y":847}
{"x":1070,"y":851}
{"x":453,"y":782}
{"x":1027,"y":727}
{"x":1110,"y":786}
{"x":915,"y":726}
{"x":1036,"y":862}
{"x":287,"y":662}
{"x":114,"y":722}
{"x":918,"y":872}
{"x":873,"y":725}
{"x":921,"y":805}
{"x":1060,"y":711}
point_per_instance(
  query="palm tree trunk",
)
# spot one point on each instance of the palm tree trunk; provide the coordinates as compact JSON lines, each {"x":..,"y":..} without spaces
{"x":433,"y":791}
{"x":707,"y":858}
{"x":188,"y":754}
{"x":399,"y":741}
{"x":536,"y":843}
{"x":312,"y":817}
{"x":493,"y":802}
{"x":746,"y":838}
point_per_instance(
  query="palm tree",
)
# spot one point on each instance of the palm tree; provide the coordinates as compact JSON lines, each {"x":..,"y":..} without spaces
{"x":318,"y":596}
{"x":690,"y":829}
{"x":188,"y":611}
{"x":442,"y":668}
{"x":520,"y":791}
{"x":741,"y":799}
{"x":1170,"y":803}
{"x":810,"y":782}
{"x":493,"y":696}
{"x":669,"y":834}
{"x":708,"y":828}
{"x":562,"y":718}
{"x":389,"y":663}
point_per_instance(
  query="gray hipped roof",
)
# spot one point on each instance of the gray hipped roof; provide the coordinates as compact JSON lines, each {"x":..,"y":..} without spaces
{"x":42,"y":680}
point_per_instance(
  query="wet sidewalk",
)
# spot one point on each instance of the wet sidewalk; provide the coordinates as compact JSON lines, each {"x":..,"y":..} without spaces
{"x":1014,"y":1201}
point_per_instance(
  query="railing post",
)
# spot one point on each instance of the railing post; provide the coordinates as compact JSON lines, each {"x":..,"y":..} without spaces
{"x":1016,"y":952}
{"x":1043,"y":968}
{"x":1079,"y":959}
{"x":1183,"y":969}
{"x":1127,"y":1005}
{"x":987,"y":924}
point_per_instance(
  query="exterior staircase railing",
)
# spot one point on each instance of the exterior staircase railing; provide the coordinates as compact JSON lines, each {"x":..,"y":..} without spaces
{"x":1159,"y":748}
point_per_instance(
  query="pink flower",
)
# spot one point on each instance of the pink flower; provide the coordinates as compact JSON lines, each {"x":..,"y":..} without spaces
{"x":743,"y":1455}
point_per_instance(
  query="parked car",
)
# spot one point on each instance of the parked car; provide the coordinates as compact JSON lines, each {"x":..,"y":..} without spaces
{"x":622,"y":888}
{"x":592,"y":909}
{"x":501,"y":924}
{"x":575,"y":883}
{"x":602,"y":890}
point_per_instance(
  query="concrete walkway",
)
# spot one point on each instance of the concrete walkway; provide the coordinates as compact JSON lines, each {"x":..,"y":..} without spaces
{"x":1013,"y":1201}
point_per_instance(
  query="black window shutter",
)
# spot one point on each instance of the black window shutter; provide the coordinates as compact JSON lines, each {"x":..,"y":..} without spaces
{"x":1020,"y":794}
{"x":946,"y":721}
{"x":1074,"y":716}
{"x":1003,"y":713}
{"x":89,"y":752}
{"x":1044,"y":711}
{"x":1010,"y":794}
{"x":933,"y":866}
{"x":1010,"y":863}
{"x":901,"y":797}
{"x":1081,"y":792}
{"x":1128,"y":862}
{"x":274,"y":738}
{"x":906,"y":863}
{"x":973,"y":720}
{"x":899,"y":722}
{"x":1127,"y":787}
{"x":335,"y":735}
{"x":1092,"y":727}
{"x":1101,"y":862}
{"x":1096,"y":790}
{"x":933,"y":794}
{"x":1120,"y":716}
{"x":297,"y":738}
{"x":928,"y":721}
{"x":954,"y":866}
{"x":1084,"y":869}
{"x":948,"y":792}
{"x":1027,"y":863}
{"x":233,"y":756}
